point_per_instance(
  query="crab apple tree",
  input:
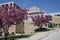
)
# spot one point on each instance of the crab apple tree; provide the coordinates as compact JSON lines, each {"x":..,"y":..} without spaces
{"x":11,"y":16}
{"x":40,"y":20}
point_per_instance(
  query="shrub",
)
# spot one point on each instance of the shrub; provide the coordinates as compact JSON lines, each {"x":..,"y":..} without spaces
{"x":42,"y":29}
{"x":11,"y":38}
{"x":13,"y":33}
{"x":20,"y":32}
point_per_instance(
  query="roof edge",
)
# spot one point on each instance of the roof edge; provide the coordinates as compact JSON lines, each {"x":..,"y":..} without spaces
{"x":7,"y":3}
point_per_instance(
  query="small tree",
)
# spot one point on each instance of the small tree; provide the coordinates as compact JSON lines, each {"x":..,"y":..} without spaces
{"x":11,"y":16}
{"x":40,"y":20}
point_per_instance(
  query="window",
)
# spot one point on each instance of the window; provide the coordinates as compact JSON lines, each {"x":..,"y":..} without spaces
{"x":14,"y":4}
{"x":10,"y":4}
{"x":45,"y":24}
{"x":50,"y":18}
{"x":17,"y":6}
{"x":57,"y":15}
{"x":55,"y":24}
{"x":6,"y":4}
{"x":2,"y":5}
{"x":59,"y":24}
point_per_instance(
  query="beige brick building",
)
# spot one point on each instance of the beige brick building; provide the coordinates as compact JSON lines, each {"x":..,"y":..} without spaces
{"x":26,"y":26}
{"x":56,"y":20}
{"x":14,"y":28}
{"x":23,"y":27}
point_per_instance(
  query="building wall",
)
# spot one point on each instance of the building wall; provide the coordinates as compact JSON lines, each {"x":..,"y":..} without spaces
{"x":29,"y":27}
{"x":20,"y":28}
{"x":56,"y":20}
{"x":12,"y":29}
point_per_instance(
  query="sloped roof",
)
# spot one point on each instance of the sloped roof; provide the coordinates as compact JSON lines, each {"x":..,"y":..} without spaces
{"x":35,"y":9}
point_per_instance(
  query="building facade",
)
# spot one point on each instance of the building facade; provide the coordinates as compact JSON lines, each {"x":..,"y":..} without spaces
{"x":27,"y":26}
{"x":56,"y":19}
{"x":14,"y":28}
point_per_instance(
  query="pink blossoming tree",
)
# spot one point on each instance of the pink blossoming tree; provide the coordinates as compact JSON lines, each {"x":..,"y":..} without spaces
{"x":11,"y":16}
{"x":40,"y":20}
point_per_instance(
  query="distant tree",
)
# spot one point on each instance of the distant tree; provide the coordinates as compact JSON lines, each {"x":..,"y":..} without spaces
{"x":11,"y":16}
{"x":40,"y":20}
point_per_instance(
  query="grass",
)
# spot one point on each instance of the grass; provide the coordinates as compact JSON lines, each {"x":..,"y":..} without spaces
{"x":17,"y":37}
{"x":13,"y":37}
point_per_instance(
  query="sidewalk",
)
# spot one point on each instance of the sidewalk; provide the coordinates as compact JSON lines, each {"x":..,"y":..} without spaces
{"x":39,"y":35}
{"x":53,"y":36}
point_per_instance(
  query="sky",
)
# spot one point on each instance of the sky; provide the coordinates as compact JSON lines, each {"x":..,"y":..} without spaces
{"x":50,"y":6}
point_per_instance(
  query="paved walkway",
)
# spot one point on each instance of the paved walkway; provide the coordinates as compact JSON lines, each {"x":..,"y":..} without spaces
{"x":40,"y":35}
{"x":53,"y":36}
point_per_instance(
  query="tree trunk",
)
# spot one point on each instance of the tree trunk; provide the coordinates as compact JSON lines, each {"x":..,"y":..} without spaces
{"x":0,"y":32}
{"x":6,"y":36}
{"x":40,"y":27}
{"x":6,"y":32}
